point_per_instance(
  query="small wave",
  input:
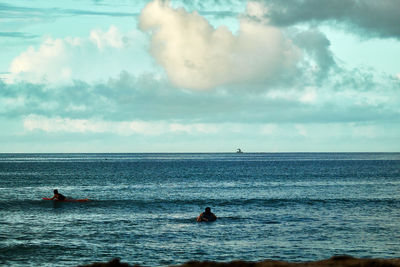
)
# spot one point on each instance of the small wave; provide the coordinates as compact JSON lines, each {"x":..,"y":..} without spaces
{"x":173,"y":204}
{"x":20,"y":205}
{"x":28,"y":250}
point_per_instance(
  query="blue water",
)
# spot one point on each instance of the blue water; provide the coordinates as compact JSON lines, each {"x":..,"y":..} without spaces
{"x":289,"y":206}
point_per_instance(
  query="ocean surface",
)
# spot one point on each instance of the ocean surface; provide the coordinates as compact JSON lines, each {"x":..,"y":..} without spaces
{"x":143,"y":208}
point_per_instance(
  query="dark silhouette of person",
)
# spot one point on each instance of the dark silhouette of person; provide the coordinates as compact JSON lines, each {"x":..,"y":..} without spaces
{"x":207,"y":216}
{"x":58,"y":196}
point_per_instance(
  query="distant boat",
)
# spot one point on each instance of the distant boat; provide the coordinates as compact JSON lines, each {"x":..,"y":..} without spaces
{"x":239,"y":151}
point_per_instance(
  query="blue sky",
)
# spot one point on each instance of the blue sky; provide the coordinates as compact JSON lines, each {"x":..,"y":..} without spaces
{"x":200,"y":76}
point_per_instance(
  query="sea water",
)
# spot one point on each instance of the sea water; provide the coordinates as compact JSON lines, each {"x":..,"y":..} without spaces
{"x":143,"y":208}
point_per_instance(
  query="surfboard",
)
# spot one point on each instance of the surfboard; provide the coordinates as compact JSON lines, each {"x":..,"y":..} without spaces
{"x":67,"y":200}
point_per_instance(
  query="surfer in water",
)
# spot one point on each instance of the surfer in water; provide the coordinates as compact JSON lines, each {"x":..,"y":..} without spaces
{"x":58,"y":196}
{"x":207,"y":216}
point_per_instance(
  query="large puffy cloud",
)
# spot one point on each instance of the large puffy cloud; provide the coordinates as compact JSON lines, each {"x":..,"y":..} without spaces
{"x":193,"y":53}
{"x":196,"y":55}
{"x":371,"y":17}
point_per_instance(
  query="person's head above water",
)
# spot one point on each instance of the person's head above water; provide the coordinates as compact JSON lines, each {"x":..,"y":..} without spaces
{"x":206,"y":216}
{"x":55,"y":191}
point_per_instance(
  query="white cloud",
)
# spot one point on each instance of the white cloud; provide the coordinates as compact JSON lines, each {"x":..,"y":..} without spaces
{"x":256,"y":10}
{"x":194,"y":128}
{"x":58,"y":124}
{"x":124,"y":128}
{"x":111,"y":38}
{"x":36,"y":122}
{"x":62,"y":60}
{"x":67,"y":125}
{"x":195,"y":55}
{"x":309,"y":95}
{"x":49,"y":61}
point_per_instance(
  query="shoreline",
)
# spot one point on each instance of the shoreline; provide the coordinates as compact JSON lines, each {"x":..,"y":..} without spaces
{"x":335,"y":261}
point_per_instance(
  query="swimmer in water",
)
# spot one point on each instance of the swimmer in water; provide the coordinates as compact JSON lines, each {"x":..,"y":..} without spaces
{"x":207,"y":216}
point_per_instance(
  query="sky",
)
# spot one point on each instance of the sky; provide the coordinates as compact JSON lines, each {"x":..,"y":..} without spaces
{"x":199,"y":76}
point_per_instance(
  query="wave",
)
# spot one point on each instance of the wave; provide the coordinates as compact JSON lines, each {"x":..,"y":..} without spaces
{"x":176,"y":203}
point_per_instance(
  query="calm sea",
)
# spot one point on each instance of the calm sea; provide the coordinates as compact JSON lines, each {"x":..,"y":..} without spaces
{"x":289,"y":206}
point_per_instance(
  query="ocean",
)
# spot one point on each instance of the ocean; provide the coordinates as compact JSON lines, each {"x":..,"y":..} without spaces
{"x":143,"y":208}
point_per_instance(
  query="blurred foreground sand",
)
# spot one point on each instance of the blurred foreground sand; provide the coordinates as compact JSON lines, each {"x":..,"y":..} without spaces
{"x":336,"y":261}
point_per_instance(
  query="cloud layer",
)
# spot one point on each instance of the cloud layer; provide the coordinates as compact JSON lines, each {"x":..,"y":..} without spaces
{"x":350,"y":97}
{"x":369,"y":17}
